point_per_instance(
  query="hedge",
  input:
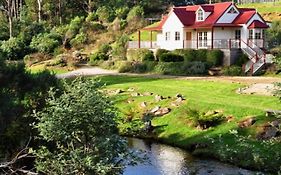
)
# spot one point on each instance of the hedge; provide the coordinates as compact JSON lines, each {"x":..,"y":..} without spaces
{"x":214,"y":57}
{"x":171,"y":57}
{"x":140,"y":55}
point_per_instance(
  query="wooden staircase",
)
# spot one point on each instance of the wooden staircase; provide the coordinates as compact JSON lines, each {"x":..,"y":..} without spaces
{"x":257,"y":58}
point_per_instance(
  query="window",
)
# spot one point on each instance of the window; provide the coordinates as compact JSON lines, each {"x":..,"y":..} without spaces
{"x":200,"y":15}
{"x":177,"y":36}
{"x":167,"y":36}
{"x":232,"y":11}
{"x":250,"y":34}
{"x":202,"y":37}
{"x":258,"y":34}
{"x":237,"y":34}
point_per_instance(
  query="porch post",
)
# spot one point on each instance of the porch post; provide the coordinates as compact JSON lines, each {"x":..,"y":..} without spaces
{"x":197,"y":38}
{"x":151,"y":39}
{"x":212,"y":42}
{"x":139,"y":39}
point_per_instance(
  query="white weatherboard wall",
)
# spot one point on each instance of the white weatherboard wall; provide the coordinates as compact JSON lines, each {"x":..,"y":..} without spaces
{"x":228,"y":17}
{"x":226,"y":33}
{"x":172,"y":25}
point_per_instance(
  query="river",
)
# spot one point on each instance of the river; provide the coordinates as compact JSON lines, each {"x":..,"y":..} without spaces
{"x":168,"y":160}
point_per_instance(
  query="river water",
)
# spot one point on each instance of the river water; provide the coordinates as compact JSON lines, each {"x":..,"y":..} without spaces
{"x":167,"y":160}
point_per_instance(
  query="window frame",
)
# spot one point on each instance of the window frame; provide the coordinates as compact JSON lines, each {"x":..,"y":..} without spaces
{"x":200,"y":15}
{"x":167,"y":36}
{"x":177,"y":36}
{"x":251,"y":34}
{"x":232,"y":10}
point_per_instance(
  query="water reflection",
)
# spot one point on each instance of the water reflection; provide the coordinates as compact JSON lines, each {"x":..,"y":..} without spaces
{"x":167,"y":160}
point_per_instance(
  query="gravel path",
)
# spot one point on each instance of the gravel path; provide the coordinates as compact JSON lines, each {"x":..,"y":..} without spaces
{"x":255,"y":85}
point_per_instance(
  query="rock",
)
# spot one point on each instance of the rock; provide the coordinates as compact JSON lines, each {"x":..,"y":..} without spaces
{"x":76,"y":54}
{"x":275,"y":123}
{"x":158,"y":98}
{"x":119,"y":91}
{"x":143,"y":104}
{"x":162,"y":111}
{"x":268,"y":132}
{"x":179,"y":95}
{"x":179,"y":100}
{"x":135,"y":94}
{"x":247,"y":122}
{"x":208,"y":113}
{"x":270,"y":112}
{"x":155,"y":109}
{"x":130,"y":100}
{"x":131,"y":89}
{"x":229,"y":118}
{"x":147,"y":93}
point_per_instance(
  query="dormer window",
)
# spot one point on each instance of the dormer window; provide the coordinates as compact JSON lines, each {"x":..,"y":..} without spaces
{"x":200,"y":15}
{"x":232,"y":10}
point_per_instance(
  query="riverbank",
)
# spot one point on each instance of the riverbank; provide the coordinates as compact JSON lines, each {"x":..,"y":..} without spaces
{"x":225,"y":141}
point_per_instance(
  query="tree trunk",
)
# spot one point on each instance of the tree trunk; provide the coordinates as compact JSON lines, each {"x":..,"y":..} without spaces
{"x":39,"y":9}
{"x":89,"y":6}
{"x":10,"y":17}
{"x":60,"y":12}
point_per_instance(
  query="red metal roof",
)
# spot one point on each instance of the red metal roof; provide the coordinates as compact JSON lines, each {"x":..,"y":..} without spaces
{"x":187,"y":16}
{"x":257,"y":24}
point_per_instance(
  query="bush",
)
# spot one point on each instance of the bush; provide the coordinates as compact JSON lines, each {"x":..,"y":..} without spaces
{"x":232,"y":71}
{"x":241,"y":60}
{"x":201,"y":55}
{"x":140,"y":55}
{"x":13,"y":49}
{"x":119,"y":48}
{"x":171,"y":57}
{"x":96,"y":26}
{"x":79,"y":39}
{"x":98,"y":56}
{"x":135,"y":12}
{"x":125,"y":66}
{"x":188,"y":54}
{"x":105,"y":48}
{"x":92,"y":17}
{"x":44,"y":43}
{"x":205,"y":120}
{"x":58,"y":61}
{"x":194,"y":68}
{"x":35,"y":58}
{"x":105,"y":14}
{"x":169,"y":68}
{"x":214,"y":57}
{"x":159,"y":52}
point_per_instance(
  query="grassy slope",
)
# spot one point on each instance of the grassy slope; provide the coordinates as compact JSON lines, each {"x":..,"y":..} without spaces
{"x":203,"y":95}
{"x":145,"y":35}
{"x":39,"y":68}
{"x":270,"y":11}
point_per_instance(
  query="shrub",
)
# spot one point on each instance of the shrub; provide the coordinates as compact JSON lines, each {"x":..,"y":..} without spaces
{"x":98,"y":56}
{"x":159,"y":52}
{"x":58,"y":61}
{"x":194,"y":68}
{"x":241,"y":60}
{"x":79,"y":39}
{"x":119,"y":48}
{"x":13,"y":49}
{"x":96,"y":26}
{"x":205,"y":120}
{"x":171,"y":57}
{"x":35,"y":58}
{"x":214,"y":57}
{"x":92,"y":17}
{"x":140,"y":55}
{"x":122,"y":12}
{"x":105,"y":48}
{"x":188,"y":54}
{"x":232,"y":71}
{"x":201,"y":55}
{"x":44,"y":43}
{"x":105,"y":14}
{"x":169,"y":68}
{"x":125,"y":66}
{"x":135,"y":12}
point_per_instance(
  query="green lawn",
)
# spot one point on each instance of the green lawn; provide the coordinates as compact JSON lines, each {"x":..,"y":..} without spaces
{"x":174,"y":128}
{"x":264,"y":7}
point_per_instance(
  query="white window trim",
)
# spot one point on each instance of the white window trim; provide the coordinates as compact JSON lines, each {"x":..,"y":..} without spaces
{"x":167,"y":36}
{"x":197,"y":14}
{"x":232,"y":7}
{"x":177,"y":37}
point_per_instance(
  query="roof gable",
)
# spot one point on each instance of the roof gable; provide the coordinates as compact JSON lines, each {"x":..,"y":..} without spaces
{"x":257,"y":24}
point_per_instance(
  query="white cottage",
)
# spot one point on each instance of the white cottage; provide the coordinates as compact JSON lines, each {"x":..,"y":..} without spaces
{"x":212,"y":26}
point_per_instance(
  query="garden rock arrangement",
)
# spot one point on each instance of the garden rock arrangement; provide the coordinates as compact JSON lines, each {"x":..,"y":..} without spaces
{"x":258,"y":88}
{"x":249,"y":121}
{"x":270,"y":130}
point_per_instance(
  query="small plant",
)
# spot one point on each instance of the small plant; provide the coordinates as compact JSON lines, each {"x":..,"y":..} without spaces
{"x":232,"y":71}
{"x":160,"y":52}
{"x":189,"y":55}
{"x":214,"y":57}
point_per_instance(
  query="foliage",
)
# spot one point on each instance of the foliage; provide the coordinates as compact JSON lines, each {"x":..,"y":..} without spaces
{"x":45,"y":43}
{"x":135,"y":12}
{"x":274,"y":34}
{"x":201,"y":55}
{"x":105,"y":14}
{"x":81,"y":125}
{"x":188,"y":54}
{"x":140,"y":55}
{"x":98,"y":56}
{"x":241,"y":60}
{"x":79,"y":39}
{"x":35,"y":58}
{"x":92,"y":17}
{"x":119,"y":48}
{"x":194,"y":68}
{"x":171,"y":57}
{"x":232,"y":71}
{"x":13,"y":49}
{"x":214,"y":57}
{"x":159,"y":53}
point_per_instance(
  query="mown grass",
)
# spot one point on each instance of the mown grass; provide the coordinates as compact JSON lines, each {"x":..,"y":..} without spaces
{"x":242,"y":148}
{"x":270,"y":11}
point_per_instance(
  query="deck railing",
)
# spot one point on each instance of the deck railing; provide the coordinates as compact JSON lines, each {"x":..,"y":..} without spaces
{"x":192,"y":44}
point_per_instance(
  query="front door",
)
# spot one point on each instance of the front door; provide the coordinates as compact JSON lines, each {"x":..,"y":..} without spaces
{"x":188,"y":40}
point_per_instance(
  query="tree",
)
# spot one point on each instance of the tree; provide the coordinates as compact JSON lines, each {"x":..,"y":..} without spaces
{"x":80,"y":123}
